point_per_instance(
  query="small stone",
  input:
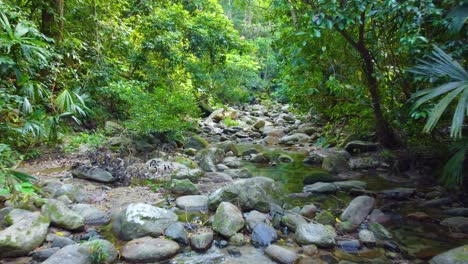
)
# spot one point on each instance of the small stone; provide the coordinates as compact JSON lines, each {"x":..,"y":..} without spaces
{"x":201,"y":241}
{"x":60,"y":242}
{"x":177,"y":232}
{"x":237,"y":240}
{"x":367,"y":237}
{"x":316,"y":234}
{"x":183,"y":187}
{"x":320,"y":187}
{"x":309,"y":211}
{"x":346,"y":227}
{"x":309,"y":250}
{"x":292,"y":221}
{"x":192,"y":203}
{"x":379,"y":231}
{"x":147,"y":249}
{"x":281,"y":254}
{"x":255,"y":217}
{"x":358,"y":209}
{"x":349,"y":245}
{"x":263,"y":235}
{"x":43,"y":254}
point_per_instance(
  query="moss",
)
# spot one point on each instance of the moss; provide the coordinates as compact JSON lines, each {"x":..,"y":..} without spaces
{"x":325,"y":218}
{"x":8,"y":220}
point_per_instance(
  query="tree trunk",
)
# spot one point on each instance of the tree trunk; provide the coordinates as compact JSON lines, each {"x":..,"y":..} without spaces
{"x":385,"y":133}
{"x":52,"y":19}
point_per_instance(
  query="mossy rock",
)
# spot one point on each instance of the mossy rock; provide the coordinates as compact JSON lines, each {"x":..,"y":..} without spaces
{"x":196,"y":142}
{"x":325,"y":218}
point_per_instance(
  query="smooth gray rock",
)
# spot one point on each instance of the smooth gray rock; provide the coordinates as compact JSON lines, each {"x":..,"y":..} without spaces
{"x":94,"y":174}
{"x":91,"y":214}
{"x":316,"y":234}
{"x":348,"y":185}
{"x":232,"y":162}
{"x":281,"y":255}
{"x":228,"y":219}
{"x":139,"y":220}
{"x":398,"y":193}
{"x":201,"y":241}
{"x":294,"y":138}
{"x":320,"y":187}
{"x":309,"y":211}
{"x":237,"y":240}
{"x":252,"y":194}
{"x":380,"y":231}
{"x":27,"y":231}
{"x":84,"y":253}
{"x":60,"y":215}
{"x":358,"y":209}
{"x":238,"y":173}
{"x":60,"y":242}
{"x":177,"y":232}
{"x":367,"y":237}
{"x":43,"y":254}
{"x":457,"y":255}
{"x":148,"y":249}
{"x":254,"y":218}
{"x":193,"y":203}
{"x":263,"y":235}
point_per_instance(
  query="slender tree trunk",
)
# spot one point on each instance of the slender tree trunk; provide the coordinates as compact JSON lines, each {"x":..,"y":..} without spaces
{"x":52,"y":19}
{"x":385,"y":133}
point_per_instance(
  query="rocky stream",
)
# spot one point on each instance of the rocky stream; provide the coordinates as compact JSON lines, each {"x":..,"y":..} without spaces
{"x":258,"y":191}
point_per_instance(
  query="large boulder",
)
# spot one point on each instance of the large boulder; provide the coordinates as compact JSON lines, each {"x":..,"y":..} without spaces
{"x":251,"y":194}
{"x":139,"y":220}
{"x":27,"y":231}
{"x":457,"y":255}
{"x":208,"y":158}
{"x":148,"y":249}
{"x":316,"y":234}
{"x":61,"y":216}
{"x":358,"y":209}
{"x":86,"y":253}
{"x":336,"y":163}
{"x":228,"y":219}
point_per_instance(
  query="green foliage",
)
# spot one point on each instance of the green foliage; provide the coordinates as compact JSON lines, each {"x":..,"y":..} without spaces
{"x":452,"y":175}
{"x":230,"y":123}
{"x":73,"y":142}
{"x":97,"y":252}
{"x":441,"y":66}
{"x":11,"y":180}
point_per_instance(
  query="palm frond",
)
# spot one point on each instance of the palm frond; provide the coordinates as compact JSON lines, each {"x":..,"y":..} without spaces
{"x":441,"y":65}
{"x":452,"y":174}
{"x":457,"y":18}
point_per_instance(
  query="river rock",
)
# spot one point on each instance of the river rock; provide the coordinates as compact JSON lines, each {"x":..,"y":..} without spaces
{"x":208,"y":158}
{"x":294,"y":138}
{"x":94,"y":174}
{"x":367,"y":237}
{"x":27,"y":231}
{"x":183,"y":187}
{"x":358,"y":209}
{"x":349,"y":185}
{"x":259,"y":158}
{"x":202,"y":240}
{"x":351,"y":246}
{"x":42,"y":254}
{"x":281,"y":255}
{"x":309,"y":211}
{"x":148,"y":249}
{"x":61,"y":216}
{"x":380,"y":231}
{"x":313,"y":159}
{"x":238,"y":173}
{"x":91,"y":215}
{"x":228,"y":219}
{"x":232,"y":162}
{"x":252,"y":194}
{"x":237,"y":240}
{"x":320,"y":187}
{"x":84,"y":253}
{"x":457,"y":212}
{"x":398,"y":193}
{"x":263,"y":235}
{"x":259,"y":124}
{"x":60,"y":241}
{"x":196,"y":142}
{"x":75,"y":193}
{"x":457,"y":222}
{"x":193,"y":203}
{"x":358,"y":146}
{"x":457,"y":255}
{"x":292,"y":221}
{"x":316,"y":234}
{"x":336,"y":163}
{"x":139,"y":220}
{"x":177,"y":232}
{"x":254,"y":218}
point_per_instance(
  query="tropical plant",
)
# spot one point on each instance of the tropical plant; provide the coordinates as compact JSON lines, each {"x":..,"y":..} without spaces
{"x":13,"y":181}
{"x":440,"y":66}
